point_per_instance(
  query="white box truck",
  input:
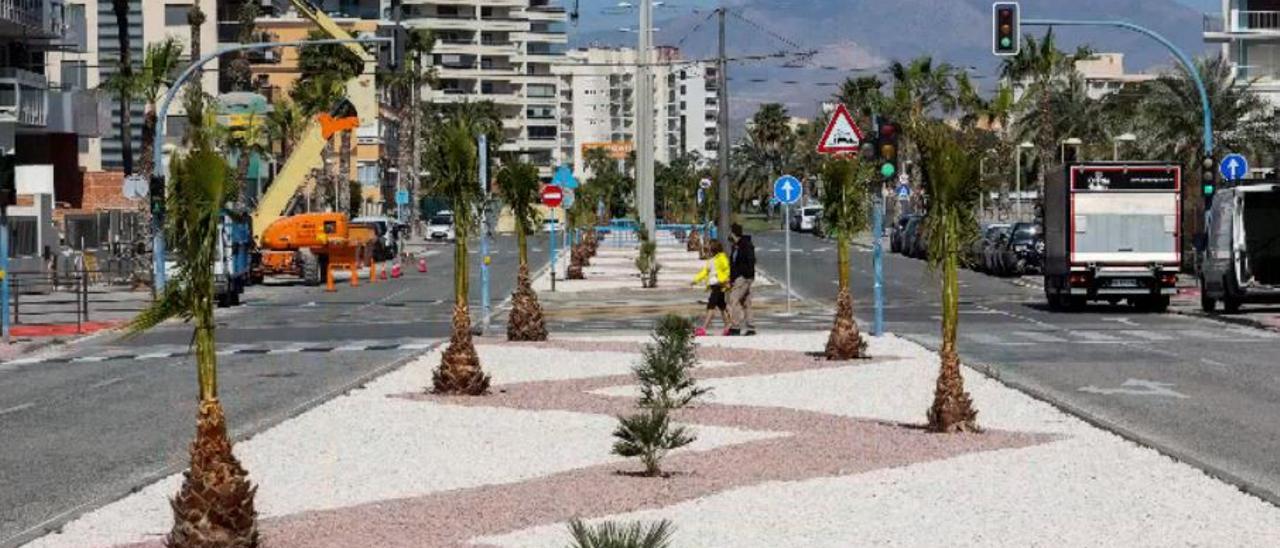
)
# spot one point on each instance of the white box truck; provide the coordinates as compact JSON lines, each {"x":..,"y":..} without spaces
{"x":1241,"y":261}
{"x":1112,"y":234}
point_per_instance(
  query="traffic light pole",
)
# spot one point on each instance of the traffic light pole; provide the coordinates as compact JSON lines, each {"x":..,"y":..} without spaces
{"x":483,"y":143}
{"x":162,"y":116}
{"x":4,"y":270}
{"x":722,"y":92}
{"x":877,"y":247}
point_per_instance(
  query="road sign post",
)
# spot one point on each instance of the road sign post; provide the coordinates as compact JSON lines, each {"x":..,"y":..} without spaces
{"x":483,"y":144}
{"x":552,"y":197}
{"x":787,"y":190}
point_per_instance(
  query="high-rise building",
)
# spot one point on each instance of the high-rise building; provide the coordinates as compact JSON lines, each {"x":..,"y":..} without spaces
{"x":597,"y":105}
{"x":501,"y":51}
{"x":1249,"y":32}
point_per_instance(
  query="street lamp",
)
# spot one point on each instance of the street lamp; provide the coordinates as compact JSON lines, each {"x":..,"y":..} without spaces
{"x":1017,"y":177}
{"x":1115,"y":144}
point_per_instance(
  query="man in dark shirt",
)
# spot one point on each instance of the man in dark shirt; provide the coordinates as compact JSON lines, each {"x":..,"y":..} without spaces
{"x":742,"y":272}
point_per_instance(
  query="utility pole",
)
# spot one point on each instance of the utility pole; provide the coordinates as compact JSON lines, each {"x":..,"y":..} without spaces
{"x":483,"y":144}
{"x":722,"y":91}
{"x":644,"y":120}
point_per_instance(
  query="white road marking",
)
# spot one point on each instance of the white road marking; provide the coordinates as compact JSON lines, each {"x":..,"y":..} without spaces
{"x":1096,"y":337}
{"x":1137,"y":387}
{"x":1255,"y":333}
{"x":1122,"y":321}
{"x":1040,"y":336}
{"x":1214,"y":363}
{"x":16,"y":408}
{"x":89,"y":359}
{"x":1147,"y":335}
{"x":153,"y":356}
{"x":106,"y":383}
{"x":25,"y":361}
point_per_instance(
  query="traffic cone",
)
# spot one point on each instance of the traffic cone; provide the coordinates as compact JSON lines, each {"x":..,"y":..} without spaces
{"x":395,"y":270}
{"x":329,"y":284}
{"x":422,"y":265}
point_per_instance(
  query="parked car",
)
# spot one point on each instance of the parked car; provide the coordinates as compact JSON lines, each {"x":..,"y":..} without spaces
{"x":978,"y":249}
{"x":802,"y":220}
{"x":1242,"y":252}
{"x":899,"y":231}
{"x":440,"y":227}
{"x":992,"y":261}
{"x":1019,"y":255}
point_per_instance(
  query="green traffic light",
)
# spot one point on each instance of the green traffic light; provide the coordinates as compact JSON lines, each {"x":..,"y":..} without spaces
{"x":1006,"y":42}
{"x":888,"y":170}
{"x":1208,"y":189}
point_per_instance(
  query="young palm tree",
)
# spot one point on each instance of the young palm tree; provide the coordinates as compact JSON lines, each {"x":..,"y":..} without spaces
{"x":845,"y":206}
{"x":162,"y":59}
{"x":124,"y":75}
{"x":251,"y":140}
{"x":951,"y":168}
{"x":195,"y":87}
{"x":215,"y":505}
{"x":285,"y":123}
{"x":518,"y":184}
{"x":452,"y":157}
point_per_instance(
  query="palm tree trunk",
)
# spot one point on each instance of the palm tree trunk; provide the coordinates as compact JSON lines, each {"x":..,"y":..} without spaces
{"x":522,"y":242}
{"x":146,"y":163}
{"x":344,"y":174}
{"x":952,"y":409}
{"x":215,"y":505}
{"x":121,"y":9}
{"x":459,"y":372}
{"x":242,"y":173}
{"x":845,"y":341}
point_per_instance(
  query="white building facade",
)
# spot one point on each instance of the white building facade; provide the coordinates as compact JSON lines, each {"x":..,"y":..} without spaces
{"x":1249,"y":32}
{"x":501,"y":51}
{"x":597,"y":105}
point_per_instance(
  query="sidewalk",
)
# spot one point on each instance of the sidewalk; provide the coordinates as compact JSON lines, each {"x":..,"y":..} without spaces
{"x":792,"y":451}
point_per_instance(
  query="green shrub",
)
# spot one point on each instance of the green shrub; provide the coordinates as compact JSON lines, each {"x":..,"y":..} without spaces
{"x":666,"y":363}
{"x":615,"y":535}
{"x":649,"y":435}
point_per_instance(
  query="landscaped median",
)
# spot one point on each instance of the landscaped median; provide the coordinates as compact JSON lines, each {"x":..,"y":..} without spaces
{"x":792,"y":450}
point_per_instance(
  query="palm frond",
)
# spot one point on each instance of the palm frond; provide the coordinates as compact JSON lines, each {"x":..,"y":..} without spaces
{"x":621,"y":535}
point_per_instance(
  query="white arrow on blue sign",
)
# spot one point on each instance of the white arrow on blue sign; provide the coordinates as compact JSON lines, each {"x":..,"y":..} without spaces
{"x":1233,"y":167}
{"x":402,"y":197}
{"x":904,"y":192}
{"x":564,"y":178}
{"x":787,"y":189}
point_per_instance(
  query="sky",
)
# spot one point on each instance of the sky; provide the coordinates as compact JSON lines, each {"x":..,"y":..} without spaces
{"x":1206,"y":6}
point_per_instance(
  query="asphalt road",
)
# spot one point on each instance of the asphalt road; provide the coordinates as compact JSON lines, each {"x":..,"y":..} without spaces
{"x":119,"y":414}
{"x":1204,"y":391}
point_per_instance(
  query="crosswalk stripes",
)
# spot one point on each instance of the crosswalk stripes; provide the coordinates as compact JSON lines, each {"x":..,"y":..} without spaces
{"x":1201,"y":334}
{"x":1097,"y":337}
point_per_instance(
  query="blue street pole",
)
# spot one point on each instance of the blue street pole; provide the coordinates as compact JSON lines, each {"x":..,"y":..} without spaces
{"x":877,"y":225}
{"x":553,"y":249}
{"x":162,"y":116}
{"x":1178,"y":53}
{"x":484,"y":231}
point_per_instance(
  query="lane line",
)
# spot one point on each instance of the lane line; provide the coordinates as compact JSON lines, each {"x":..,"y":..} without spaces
{"x":1155,"y":336}
{"x":106,"y":383}
{"x":16,"y":408}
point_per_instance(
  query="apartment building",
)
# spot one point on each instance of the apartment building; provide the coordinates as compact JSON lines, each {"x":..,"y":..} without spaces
{"x":598,"y":106}
{"x":501,"y":51}
{"x":1249,"y":33}
{"x":1104,"y":74}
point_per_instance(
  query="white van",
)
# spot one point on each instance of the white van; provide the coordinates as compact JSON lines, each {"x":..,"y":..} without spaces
{"x":1241,"y":260}
{"x":804,"y":219}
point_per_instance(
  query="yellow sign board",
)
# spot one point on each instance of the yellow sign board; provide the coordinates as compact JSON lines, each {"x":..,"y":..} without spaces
{"x":618,"y":150}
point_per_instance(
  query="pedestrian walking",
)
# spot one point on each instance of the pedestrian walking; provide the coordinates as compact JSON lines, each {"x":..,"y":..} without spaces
{"x":716,"y":276}
{"x":742,"y":274}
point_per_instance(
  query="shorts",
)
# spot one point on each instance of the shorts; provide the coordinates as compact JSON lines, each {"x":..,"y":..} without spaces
{"x":716,"y":299}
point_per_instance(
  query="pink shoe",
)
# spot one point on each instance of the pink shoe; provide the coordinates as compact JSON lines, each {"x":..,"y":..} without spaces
{"x":699,"y":332}
{"x":725,"y":333}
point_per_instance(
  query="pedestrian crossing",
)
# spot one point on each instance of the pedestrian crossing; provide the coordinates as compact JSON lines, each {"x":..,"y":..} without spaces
{"x":1120,"y":336}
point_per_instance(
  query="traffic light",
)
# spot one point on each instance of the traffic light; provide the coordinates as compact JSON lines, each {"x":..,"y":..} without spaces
{"x":1209,"y":179}
{"x":156,"y":194}
{"x":887,"y":149}
{"x":1006,"y":29}
{"x":8,"y":180}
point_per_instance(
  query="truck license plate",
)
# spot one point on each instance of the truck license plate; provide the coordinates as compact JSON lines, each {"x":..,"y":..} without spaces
{"x":1124,"y":282}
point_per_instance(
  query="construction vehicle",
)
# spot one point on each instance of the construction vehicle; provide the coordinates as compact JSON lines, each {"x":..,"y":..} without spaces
{"x":307,"y":244}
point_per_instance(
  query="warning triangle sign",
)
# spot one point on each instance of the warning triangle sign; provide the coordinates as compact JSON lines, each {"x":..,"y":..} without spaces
{"x":842,"y":134}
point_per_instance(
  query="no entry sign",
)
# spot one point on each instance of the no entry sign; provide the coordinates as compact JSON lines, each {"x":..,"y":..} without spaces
{"x":552,"y":196}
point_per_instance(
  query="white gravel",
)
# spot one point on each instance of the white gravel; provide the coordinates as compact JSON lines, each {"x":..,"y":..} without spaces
{"x":366,"y":447}
{"x":1090,"y":489}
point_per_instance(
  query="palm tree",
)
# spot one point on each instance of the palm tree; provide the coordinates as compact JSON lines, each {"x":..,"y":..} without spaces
{"x":331,"y":66}
{"x":285,"y":123}
{"x":125,"y":75}
{"x":452,"y":157}
{"x":252,"y":139}
{"x":215,"y":505}
{"x":518,"y":184}
{"x":845,"y":201}
{"x":950,"y":171}
{"x":239,"y":71}
{"x":864,"y":96}
{"x":1172,"y":117}
{"x":195,"y":20}
{"x":162,"y":59}
{"x":314,"y":95}
{"x":1036,"y":68}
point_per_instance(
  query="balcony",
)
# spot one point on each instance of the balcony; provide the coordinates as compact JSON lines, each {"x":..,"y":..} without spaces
{"x":24,"y":97}
{"x":1242,"y":25}
{"x":28,"y":19}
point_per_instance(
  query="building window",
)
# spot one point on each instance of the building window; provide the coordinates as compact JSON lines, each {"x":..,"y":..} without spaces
{"x":175,"y":15}
{"x":367,"y":173}
{"x":75,"y":75}
{"x":77,"y":28}
{"x":542,"y":90}
{"x":540,"y":113}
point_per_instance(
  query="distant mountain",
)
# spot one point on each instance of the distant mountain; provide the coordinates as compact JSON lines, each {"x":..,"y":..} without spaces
{"x":870,"y":33}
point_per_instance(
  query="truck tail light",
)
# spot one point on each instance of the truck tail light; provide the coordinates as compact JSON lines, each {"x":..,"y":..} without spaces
{"x":1078,"y":279}
{"x":1169,"y":280}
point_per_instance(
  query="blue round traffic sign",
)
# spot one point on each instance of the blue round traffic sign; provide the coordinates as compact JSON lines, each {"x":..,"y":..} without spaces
{"x":787,"y":189}
{"x":1233,"y":167}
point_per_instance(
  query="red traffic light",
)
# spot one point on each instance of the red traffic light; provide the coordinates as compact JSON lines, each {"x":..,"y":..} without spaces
{"x":1006,"y":15}
{"x":888,"y":130}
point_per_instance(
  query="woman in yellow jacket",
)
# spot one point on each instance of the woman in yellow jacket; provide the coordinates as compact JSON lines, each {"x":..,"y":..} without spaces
{"x":718,"y":285}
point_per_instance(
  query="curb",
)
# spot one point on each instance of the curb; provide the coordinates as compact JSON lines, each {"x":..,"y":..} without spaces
{"x":1211,"y":470}
{"x":55,"y":524}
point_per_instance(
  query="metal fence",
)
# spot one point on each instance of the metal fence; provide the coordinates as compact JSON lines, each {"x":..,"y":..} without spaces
{"x":46,"y":298}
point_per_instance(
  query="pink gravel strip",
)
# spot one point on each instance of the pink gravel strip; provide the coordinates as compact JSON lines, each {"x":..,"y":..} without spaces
{"x":817,"y":445}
